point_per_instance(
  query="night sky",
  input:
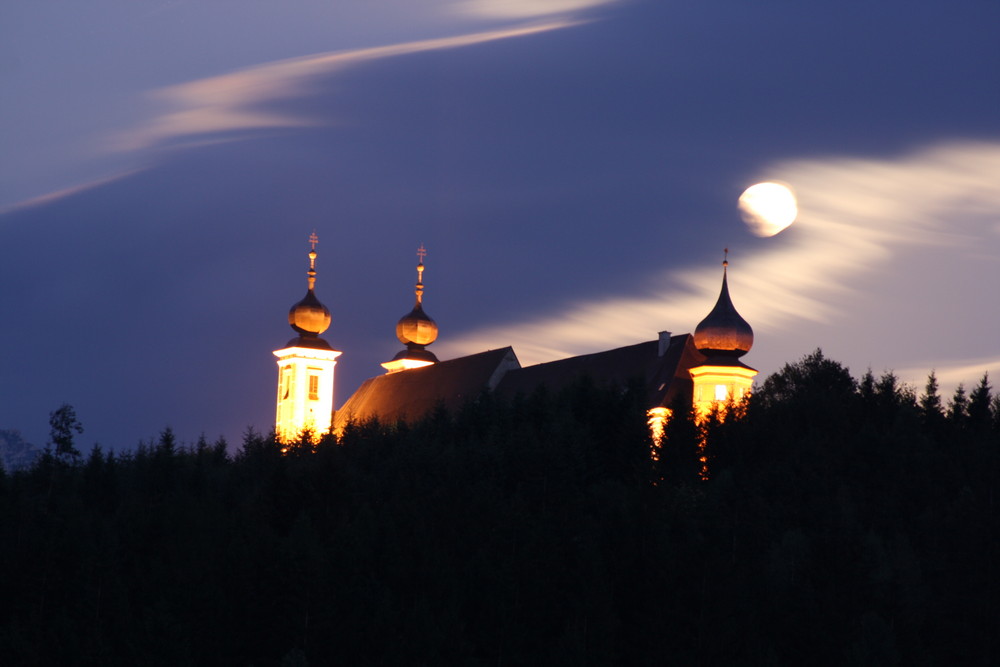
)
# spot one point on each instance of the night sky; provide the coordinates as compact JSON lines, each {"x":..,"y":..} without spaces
{"x":572,"y":166}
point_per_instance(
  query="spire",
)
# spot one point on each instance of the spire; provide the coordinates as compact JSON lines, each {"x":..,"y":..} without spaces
{"x":722,"y":379}
{"x":421,"y":253}
{"x":306,"y":368}
{"x":309,"y":317}
{"x":313,"y":240}
{"x":415,"y":330}
{"x":724,"y":332}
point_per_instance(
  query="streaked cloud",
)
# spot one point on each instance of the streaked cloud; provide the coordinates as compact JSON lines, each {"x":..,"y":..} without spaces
{"x":967,"y":372}
{"x":854,"y":215}
{"x":524,"y":8}
{"x":50,"y":197}
{"x":233,"y":102}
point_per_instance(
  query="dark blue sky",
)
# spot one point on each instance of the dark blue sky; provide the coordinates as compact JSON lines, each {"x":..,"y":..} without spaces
{"x":573,"y":174}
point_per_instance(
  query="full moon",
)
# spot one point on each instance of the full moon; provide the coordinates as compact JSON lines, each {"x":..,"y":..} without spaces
{"x":768,"y":208}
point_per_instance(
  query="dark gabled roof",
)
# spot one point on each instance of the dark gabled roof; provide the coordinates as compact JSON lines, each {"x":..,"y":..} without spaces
{"x":662,"y":376}
{"x":409,"y":395}
{"x":673,"y":379}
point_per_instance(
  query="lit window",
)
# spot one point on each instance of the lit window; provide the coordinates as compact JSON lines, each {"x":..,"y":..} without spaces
{"x":286,"y":376}
{"x":313,"y":387}
{"x":721,"y":393}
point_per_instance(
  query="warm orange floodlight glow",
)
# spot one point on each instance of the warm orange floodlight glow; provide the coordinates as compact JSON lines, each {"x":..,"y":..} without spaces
{"x":397,"y":365}
{"x":768,"y":208}
{"x":305,"y":392}
{"x":715,"y":387}
{"x":658,"y":418}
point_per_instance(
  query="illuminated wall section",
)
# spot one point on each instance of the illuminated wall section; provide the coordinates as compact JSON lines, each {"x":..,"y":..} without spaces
{"x":397,"y":365}
{"x":716,"y":386}
{"x":305,"y":392}
{"x":657,"y":421}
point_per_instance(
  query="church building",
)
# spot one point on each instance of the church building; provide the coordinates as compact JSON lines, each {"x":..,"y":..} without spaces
{"x":305,"y":366}
{"x":703,"y":367}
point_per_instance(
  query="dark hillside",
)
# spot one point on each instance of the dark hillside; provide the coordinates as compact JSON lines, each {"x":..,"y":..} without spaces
{"x":844,"y":522}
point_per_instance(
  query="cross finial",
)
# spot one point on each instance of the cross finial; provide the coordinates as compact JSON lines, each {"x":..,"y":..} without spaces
{"x":421,"y":253}
{"x":725,"y":258}
{"x":313,"y":240}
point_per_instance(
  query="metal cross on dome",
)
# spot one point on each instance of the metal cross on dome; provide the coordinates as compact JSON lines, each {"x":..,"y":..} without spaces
{"x":313,"y":240}
{"x":421,"y":253}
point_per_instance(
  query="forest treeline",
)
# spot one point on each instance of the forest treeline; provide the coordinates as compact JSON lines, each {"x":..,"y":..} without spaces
{"x":844,"y":522}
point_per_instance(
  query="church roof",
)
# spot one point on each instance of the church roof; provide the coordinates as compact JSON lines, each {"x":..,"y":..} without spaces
{"x":314,"y":342}
{"x":412,"y":393}
{"x":662,"y":368}
{"x":662,"y":376}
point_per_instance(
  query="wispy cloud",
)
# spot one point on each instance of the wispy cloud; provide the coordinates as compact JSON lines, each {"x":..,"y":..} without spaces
{"x":854,"y":214}
{"x":50,"y":197}
{"x":524,"y":8}
{"x":967,"y":372}
{"x":233,"y":102}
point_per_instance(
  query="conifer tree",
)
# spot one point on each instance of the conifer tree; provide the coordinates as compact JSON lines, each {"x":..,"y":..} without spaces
{"x":680,"y":454}
{"x":63,"y":424}
{"x":958,"y":408}
{"x":890,"y":393}
{"x":167,"y":445}
{"x":930,"y":401}
{"x":867,"y":385}
{"x":979,"y":404}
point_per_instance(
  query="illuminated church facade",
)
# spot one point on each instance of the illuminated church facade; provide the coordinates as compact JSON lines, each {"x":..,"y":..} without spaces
{"x":306,"y":366}
{"x":704,"y":368}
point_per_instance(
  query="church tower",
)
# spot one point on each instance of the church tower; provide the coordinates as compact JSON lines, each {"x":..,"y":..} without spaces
{"x":305,"y":367}
{"x":723,"y":336}
{"x":415,"y":330}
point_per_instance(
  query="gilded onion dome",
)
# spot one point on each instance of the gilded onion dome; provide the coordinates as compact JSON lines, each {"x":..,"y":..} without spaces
{"x":416,"y":329}
{"x":723,"y":332}
{"x":309,"y":317}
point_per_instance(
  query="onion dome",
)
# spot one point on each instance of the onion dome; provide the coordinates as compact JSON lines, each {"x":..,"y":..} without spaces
{"x":309,"y":317}
{"x":723,"y":333}
{"x":416,"y":329}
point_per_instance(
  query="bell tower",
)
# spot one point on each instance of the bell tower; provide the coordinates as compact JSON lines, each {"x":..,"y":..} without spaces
{"x":723,"y":336}
{"x":305,"y":367}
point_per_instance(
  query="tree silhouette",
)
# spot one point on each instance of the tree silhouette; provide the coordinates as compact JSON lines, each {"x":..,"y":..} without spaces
{"x":834,"y":528}
{"x":931,"y":408}
{"x":958,"y":407}
{"x":979,"y":405}
{"x":63,"y":424}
